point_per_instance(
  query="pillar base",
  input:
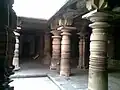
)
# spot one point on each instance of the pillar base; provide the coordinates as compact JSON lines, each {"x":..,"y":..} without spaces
{"x":100,"y":77}
{"x":66,"y":74}
{"x":53,"y":67}
{"x":16,"y":68}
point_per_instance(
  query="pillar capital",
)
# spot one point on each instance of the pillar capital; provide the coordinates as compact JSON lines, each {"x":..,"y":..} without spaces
{"x":66,"y":28}
{"x":56,"y":32}
{"x":98,"y":15}
{"x":102,"y":4}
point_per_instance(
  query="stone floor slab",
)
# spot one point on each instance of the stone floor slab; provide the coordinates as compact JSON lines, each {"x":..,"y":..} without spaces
{"x":42,"y":83}
{"x":78,"y":81}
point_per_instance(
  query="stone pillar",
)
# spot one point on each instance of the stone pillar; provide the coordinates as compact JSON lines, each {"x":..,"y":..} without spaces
{"x":83,"y":60}
{"x":56,"y":46}
{"x":85,"y":52}
{"x":65,"y":69}
{"x":98,"y":76}
{"x":84,"y":55}
{"x":80,"y":52}
{"x":16,"y":52}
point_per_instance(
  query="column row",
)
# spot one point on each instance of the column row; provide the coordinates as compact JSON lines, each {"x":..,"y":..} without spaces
{"x":61,"y":51}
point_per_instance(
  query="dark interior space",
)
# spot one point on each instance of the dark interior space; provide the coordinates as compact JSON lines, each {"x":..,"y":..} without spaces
{"x":26,"y":50}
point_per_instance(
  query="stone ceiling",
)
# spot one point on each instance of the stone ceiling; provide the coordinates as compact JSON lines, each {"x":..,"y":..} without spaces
{"x":76,"y":6}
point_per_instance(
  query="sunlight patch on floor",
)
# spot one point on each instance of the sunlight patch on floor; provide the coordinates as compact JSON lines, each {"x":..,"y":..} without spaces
{"x":42,"y":83}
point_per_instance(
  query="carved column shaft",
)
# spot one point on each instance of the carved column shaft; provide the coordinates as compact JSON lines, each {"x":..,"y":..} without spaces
{"x":84,"y":53}
{"x":56,"y":46}
{"x":56,"y":49}
{"x":65,"y":69}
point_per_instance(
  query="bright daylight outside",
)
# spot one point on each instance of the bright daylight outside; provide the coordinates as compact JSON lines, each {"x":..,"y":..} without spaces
{"x":37,"y":8}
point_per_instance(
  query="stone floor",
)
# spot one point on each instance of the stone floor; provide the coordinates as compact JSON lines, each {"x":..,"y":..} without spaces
{"x":78,"y":81}
{"x":38,"y":83}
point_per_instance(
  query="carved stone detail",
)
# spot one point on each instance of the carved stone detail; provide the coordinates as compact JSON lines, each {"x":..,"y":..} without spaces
{"x":96,"y":4}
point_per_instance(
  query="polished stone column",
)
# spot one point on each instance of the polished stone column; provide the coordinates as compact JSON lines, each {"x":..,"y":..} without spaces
{"x":16,"y":52}
{"x":56,"y":46}
{"x":98,"y":76}
{"x":65,"y":69}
